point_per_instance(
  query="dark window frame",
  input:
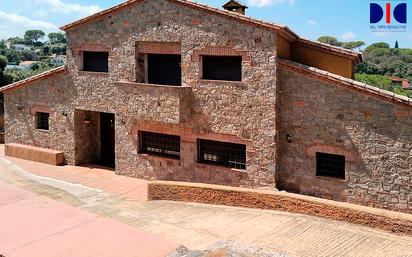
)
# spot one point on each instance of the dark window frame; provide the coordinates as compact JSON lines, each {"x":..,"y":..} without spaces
{"x":158,"y":144}
{"x":213,"y":67}
{"x":89,"y":66}
{"x":43,"y":120}
{"x":223,"y":154}
{"x":330,"y":165}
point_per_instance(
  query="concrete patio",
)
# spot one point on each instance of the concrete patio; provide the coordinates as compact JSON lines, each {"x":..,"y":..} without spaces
{"x":100,"y":195}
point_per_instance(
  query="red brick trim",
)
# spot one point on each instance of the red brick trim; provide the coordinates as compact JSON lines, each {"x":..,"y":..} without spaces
{"x":220,"y":51}
{"x":93,"y":47}
{"x":41,"y":108}
{"x":36,"y":78}
{"x":402,"y":114}
{"x":188,"y":135}
{"x":350,"y":156}
{"x":146,"y":47}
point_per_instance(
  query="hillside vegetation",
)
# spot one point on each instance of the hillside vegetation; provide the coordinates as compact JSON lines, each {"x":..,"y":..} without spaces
{"x":380,"y":61}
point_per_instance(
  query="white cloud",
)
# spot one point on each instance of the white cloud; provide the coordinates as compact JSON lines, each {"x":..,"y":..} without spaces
{"x":14,"y":24}
{"x":58,"y":6}
{"x":261,"y":3}
{"x":312,"y":22}
{"x":348,"y":35}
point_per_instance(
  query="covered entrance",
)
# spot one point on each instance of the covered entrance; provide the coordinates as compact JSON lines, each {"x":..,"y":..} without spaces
{"x":94,"y":138}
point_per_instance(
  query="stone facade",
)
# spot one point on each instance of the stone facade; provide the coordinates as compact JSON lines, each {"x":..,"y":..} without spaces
{"x":238,"y":112}
{"x":371,"y":133}
{"x":374,"y":135}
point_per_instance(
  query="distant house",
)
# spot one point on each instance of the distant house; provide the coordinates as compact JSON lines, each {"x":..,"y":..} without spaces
{"x":8,"y":45}
{"x":25,"y":65}
{"x":404,"y":83}
{"x":20,"y":47}
{"x":58,"y":60}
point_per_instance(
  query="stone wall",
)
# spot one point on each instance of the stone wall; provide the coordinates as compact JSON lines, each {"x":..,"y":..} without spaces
{"x":375,"y":136}
{"x":54,"y":96}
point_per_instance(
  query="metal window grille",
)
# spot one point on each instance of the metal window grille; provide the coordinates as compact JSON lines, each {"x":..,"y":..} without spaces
{"x":222,"y":153}
{"x":42,"y":120}
{"x":330,"y":165}
{"x":159,"y":144}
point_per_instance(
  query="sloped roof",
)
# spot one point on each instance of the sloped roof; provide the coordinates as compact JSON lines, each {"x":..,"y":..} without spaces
{"x":336,"y":79}
{"x":282,"y":30}
{"x":38,"y":77}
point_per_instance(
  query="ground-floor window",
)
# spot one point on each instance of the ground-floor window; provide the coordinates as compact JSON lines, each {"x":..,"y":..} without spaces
{"x":159,"y":144}
{"x":330,"y":165}
{"x":222,"y":153}
{"x":42,"y":120}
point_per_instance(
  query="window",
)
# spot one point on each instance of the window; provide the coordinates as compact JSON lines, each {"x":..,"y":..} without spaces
{"x":222,"y":67}
{"x":96,"y":61}
{"x":330,"y":165}
{"x":159,"y":144}
{"x":222,"y":153}
{"x":164,"y":69}
{"x":42,"y":120}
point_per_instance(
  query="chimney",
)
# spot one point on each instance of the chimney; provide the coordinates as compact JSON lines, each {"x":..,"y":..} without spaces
{"x":235,"y":6}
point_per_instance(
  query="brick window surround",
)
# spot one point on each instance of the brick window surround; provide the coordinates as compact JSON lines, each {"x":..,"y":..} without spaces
{"x":91,"y":47}
{"x":220,"y":51}
{"x":350,"y":156}
{"x":188,"y":135}
{"x":40,"y":108}
{"x":146,"y":47}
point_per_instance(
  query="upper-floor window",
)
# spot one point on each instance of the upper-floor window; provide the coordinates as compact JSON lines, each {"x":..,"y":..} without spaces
{"x":222,"y":67}
{"x":96,"y":61}
{"x":330,"y":165}
{"x":159,"y":144}
{"x":164,"y":69}
{"x":42,"y":120}
{"x":222,"y":153}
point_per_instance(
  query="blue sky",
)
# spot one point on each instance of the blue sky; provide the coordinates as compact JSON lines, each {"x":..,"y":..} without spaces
{"x":345,"y":19}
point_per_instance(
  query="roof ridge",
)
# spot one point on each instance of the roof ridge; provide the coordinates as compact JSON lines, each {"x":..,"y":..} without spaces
{"x":283,"y":30}
{"x":388,"y":95}
{"x":42,"y":75}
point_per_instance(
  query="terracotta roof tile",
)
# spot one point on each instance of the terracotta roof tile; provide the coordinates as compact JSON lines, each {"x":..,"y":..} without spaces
{"x":323,"y":75}
{"x":35,"y":78}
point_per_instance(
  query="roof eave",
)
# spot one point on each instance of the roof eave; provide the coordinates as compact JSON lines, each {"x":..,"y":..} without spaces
{"x":36,"y":78}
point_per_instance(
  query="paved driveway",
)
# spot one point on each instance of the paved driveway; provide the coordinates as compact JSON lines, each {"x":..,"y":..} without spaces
{"x":32,"y":225}
{"x":198,"y":225}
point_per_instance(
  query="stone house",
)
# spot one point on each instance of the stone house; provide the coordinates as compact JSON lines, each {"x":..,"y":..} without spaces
{"x":175,"y":90}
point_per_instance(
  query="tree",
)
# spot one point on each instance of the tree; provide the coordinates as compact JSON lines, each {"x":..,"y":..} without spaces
{"x":33,"y":35}
{"x":2,"y":44}
{"x":16,"y":40}
{"x":3,"y":62}
{"x":15,"y":74}
{"x":12,"y":56}
{"x":396,"y":44}
{"x":58,"y":48}
{"x":56,"y":38}
{"x":330,"y":40}
{"x":377,"y":45}
{"x":27,"y":55}
{"x":353,"y":44}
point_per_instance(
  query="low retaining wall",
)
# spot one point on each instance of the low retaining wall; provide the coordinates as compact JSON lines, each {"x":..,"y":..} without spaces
{"x":33,"y":153}
{"x":282,"y":201}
